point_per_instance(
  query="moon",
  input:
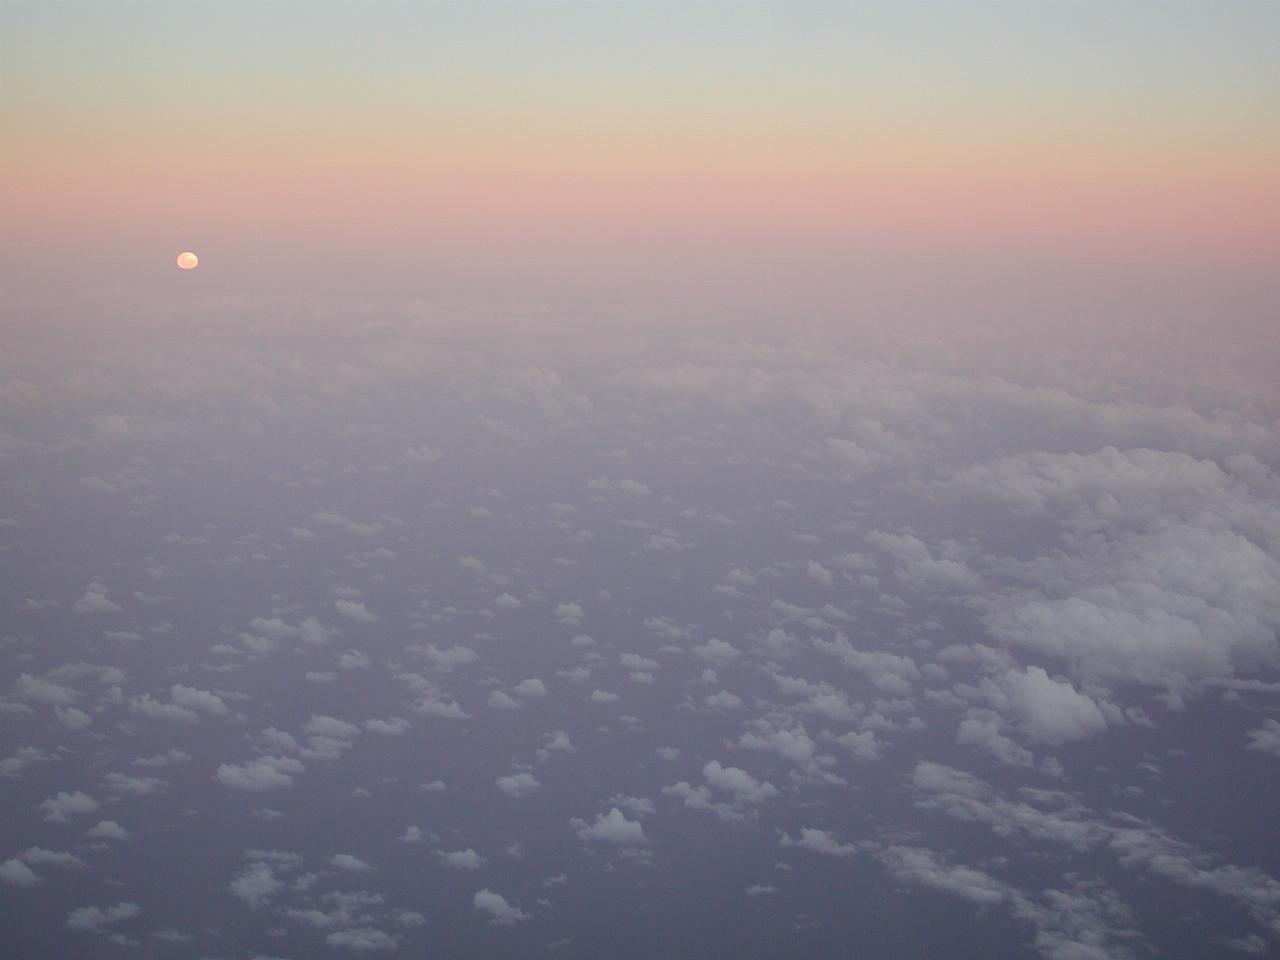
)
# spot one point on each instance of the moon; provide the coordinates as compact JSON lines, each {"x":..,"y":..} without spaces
{"x":188,"y":260}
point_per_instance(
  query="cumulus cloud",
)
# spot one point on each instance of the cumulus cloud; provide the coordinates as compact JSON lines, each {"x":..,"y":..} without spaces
{"x":496,"y":905}
{"x":355,"y":610}
{"x":349,"y":862}
{"x":108,"y":830}
{"x":612,"y":827}
{"x":17,"y":874}
{"x":58,"y":808}
{"x":517,"y":784}
{"x":820,"y":841}
{"x":256,"y":885}
{"x":94,"y":919}
{"x":362,"y":939}
{"x":255,"y":776}
{"x":461,"y":859}
{"x":1266,"y":738}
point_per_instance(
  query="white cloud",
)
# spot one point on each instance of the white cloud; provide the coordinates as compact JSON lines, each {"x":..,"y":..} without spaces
{"x":346,"y":861}
{"x":820,"y":841}
{"x":199,"y":700}
{"x":461,"y":859}
{"x":256,"y":885}
{"x":17,"y":874}
{"x":496,"y":905}
{"x":362,"y":939}
{"x":531,"y":688}
{"x":1047,"y":710}
{"x":612,"y":827}
{"x":921,"y":866}
{"x":93,"y":919}
{"x":264,"y":773}
{"x":355,"y":610}
{"x":65,"y":804}
{"x":1266,"y":737}
{"x":95,"y":600}
{"x":518,"y":784}
{"x":108,"y":830}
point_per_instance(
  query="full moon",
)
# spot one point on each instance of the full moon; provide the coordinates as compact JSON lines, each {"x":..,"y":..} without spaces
{"x":188,"y":260}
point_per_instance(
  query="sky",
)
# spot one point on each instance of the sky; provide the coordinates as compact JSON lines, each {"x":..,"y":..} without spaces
{"x":639,"y":480}
{"x":537,"y":146}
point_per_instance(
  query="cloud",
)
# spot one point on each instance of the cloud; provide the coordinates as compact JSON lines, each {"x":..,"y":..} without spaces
{"x":354,"y":610}
{"x":264,"y":773}
{"x":925,"y":868}
{"x":612,"y":827}
{"x":820,"y":841}
{"x":570,"y":614}
{"x":108,"y":830}
{"x":496,"y":905}
{"x":518,"y":784}
{"x":530,"y":689}
{"x":323,"y":726}
{"x":461,"y":859}
{"x":362,"y":939}
{"x":199,"y":700}
{"x":59,"y":807}
{"x":346,"y":861}
{"x":256,"y":885}
{"x":1047,"y":710}
{"x":17,"y":874}
{"x":1266,"y":738}
{"x":93,"y":919}
{"x":40,"y":855}
{"x":717,"y":651}
{"x":95,"y":600}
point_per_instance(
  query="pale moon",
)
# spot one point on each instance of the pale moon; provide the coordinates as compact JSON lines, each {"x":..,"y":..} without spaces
{"x":188,"y":260}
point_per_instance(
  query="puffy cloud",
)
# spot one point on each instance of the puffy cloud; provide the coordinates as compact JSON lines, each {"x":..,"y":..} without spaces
{"x":744,"y":787}
{"x":17,"y":874}
{"x":717,"y":651}
{"x":200,"y":700}
{"x":122,"y":785}
{"x":984,"y":729}
{"x":146,"y":706}
{"x":355,"y":610}
{"x":108,"y":830}
{"x":461,"y":859}
{"x":570,"y":614}
{"x":1047,"y":710}
{"x":322,"y":726}
{"x":38,"y":690}
{"x":612,"y":827}
{"x":264,"y":773}
{"x":925,"y":868}
{"x":518,"y":784}
{"x":40,"y":855}
{"x":95,"y":600}
{"x":394,"y":727}
{"x":862,"y":744}
{"x":346,"y":861}
{"x":256,"y":885}
{"x":17,"y":762}
{"x":1266,"y":737}
{"x":93,"y":919}
{"x":73,"y":718}
{"x":65,"y":804}
{"x":820,"y":841}
{"x":339,"y":522}
{"x":531,"y":688}
{"x":496,"y":905}
{"x":362,"y":939}
{"x":789,"y":742}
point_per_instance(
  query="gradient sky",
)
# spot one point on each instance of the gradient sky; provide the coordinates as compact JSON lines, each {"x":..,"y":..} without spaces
{"x":598,"y":140}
